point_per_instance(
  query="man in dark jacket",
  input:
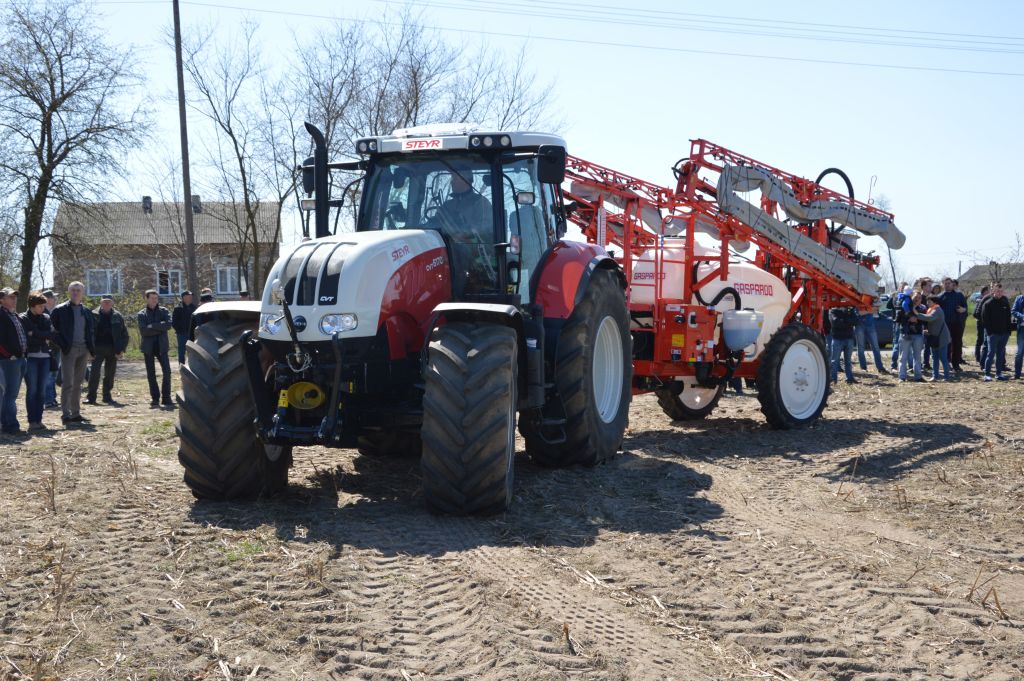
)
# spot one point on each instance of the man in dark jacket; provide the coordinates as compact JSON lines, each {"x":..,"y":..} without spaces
{"x":73,"y":323}
{"x":110,"y":340}
{"x":954,"y":305}
{"x":181,"y":320}
{"x":154,"y":322}
{"x":842,"y":321}
{"x":13,"y":348}
{"x":40,"y":332}
{"x":980,"y":347}
{"x":995,"y":315}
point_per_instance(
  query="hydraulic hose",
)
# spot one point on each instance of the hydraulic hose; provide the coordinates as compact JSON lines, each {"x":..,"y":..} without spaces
{"x":849,"y":190}
{"x":728,"y":290}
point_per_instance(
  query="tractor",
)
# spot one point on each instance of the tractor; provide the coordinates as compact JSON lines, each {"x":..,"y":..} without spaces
{"x":455,"y":312}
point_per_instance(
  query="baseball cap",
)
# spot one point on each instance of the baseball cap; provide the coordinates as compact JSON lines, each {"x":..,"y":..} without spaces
{"x":8,"y":291}
{"x":107,"y":297}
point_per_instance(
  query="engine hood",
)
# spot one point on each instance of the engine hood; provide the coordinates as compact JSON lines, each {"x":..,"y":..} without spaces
{"x":348,"y":274}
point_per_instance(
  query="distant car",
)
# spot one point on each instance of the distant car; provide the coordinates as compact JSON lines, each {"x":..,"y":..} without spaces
{"x":883,"y":326}
{"x":884,"y":298}
{"x":975,"y":297}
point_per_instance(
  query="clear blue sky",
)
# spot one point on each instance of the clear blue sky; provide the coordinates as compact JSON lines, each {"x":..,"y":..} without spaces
{"x":634,"y":87}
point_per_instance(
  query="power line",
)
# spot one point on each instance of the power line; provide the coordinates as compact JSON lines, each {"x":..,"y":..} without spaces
{"x":597,"y":43}
{"x":634,"y":18}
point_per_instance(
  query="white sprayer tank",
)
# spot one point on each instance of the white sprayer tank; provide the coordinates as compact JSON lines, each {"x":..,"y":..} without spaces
{"x":758,"y":290}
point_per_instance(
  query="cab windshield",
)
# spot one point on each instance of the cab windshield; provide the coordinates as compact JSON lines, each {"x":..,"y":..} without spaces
{"x":447,"y":192}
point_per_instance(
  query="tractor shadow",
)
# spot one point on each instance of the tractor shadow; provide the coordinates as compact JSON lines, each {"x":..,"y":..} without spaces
{"x":870,"y":449}
{"x":376,"y":502}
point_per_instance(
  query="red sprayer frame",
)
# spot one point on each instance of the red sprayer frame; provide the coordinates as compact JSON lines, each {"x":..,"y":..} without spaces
{"x":812,"y":291}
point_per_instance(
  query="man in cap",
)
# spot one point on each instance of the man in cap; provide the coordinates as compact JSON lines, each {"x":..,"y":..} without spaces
{"x":13,"y":348}
{"x":110,"y":341}
{"x":73,"y":323}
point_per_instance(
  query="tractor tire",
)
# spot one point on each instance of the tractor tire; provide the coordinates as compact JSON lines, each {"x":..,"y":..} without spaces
{"x":389,"y":443}
{"x":219,"y":449}
{"x":594,"y":378}
{"x":685,"y":400}
{"x":792,"y":379}
{"x":469,"y":418}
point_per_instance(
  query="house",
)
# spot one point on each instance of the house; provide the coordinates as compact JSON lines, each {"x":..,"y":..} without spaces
{"x":1010,"y":274}
{"x":123,"y":247}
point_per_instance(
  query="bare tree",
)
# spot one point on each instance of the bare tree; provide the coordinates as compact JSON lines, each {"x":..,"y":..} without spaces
{"x":227,"y":79}
{"x":63,"y":109}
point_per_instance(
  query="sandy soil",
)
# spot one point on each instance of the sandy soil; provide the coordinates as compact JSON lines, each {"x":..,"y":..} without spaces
{"x":884,"y":543}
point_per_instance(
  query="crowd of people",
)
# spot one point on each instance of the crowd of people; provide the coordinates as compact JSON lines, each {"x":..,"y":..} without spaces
{"x":52,"y":345}
{"x":929,"y":320}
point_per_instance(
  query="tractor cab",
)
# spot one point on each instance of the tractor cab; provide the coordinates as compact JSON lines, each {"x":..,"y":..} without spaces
{"x":494,"y":198}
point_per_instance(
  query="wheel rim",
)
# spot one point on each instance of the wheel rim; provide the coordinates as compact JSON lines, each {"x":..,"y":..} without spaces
{"x":608,"y":370}
{"x":802,"y":379}
{"x":696,"y":397}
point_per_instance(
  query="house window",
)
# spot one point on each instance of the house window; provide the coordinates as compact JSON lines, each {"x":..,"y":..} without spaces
{"x":102,"y":282}
{"x":227,"y":280}
{"x":168,"y":282}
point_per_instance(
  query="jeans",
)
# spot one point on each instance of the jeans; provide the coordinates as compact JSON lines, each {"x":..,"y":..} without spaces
{"x":842,"y":347}
{"x":37,"y":374}
{"x":980,"y":346}
{"x":940,"y":355}
{"x":956,"y":347}
{"x":165,"y":369}
{"x":895,"y":347}
{"x":51,"y":384}
{"x":867,"y":336}
{"x":72,"y":368}
{"x":106,"y":358}
{"x":1019,"y":357}
{"x":182,"y":341}
{"x":911,"y":349}
{"x":996,"y":344}
{"x":11,"y":372}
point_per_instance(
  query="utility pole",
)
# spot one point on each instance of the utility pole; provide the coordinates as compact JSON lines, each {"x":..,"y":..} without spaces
{"x":190,"y":237}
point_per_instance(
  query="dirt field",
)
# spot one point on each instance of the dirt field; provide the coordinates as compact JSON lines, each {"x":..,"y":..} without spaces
{"x":887,"y":542}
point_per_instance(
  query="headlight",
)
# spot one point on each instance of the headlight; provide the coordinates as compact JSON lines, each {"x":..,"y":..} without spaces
{"x":270,"y":323}
{"x":331,"y":324}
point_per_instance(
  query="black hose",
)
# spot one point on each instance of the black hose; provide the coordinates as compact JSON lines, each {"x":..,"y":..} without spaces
{"x":721,"y":294}
{"x":849,"y":190}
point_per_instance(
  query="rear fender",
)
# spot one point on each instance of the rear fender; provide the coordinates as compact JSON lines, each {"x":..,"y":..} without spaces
{"x":564,"y":273}
{"x":505,"y":315}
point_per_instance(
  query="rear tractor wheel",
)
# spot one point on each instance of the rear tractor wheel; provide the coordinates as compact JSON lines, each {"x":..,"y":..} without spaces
{"x":792,"y":379}
{"x":593,"y":376}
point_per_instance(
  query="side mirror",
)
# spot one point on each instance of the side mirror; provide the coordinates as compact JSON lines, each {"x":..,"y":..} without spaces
{"x":526,"y":198}
{"x":514,"y":272}
{"x":551,"y":164}
{"x":307,"y":176}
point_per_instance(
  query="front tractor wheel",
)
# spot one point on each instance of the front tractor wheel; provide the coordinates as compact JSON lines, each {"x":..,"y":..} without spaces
{"x":792,"y":379}
{"x":593,"y":376}
{"x":219,"y":448}
{"x":469,"y":418}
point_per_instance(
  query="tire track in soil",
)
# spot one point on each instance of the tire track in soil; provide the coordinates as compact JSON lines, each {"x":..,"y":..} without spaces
{"x":784,"y":588}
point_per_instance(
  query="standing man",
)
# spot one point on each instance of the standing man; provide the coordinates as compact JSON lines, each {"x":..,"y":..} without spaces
{"x":13,"y":348}
{"x":50,"y":396}
{"x":843,"y":320}
{"x":954,"y":305}
{"x":154,"y":322}
{"x":39,"y":331}
{"x":980,"y":346}
{"x":867,"y":337}
{"x":895,"y":303}
{"x":911,"y":336}
{"x":74,"y":326}
{"x":181,"y":320}
{"x":996,"y":317}
{"x":110,"y":341}
{"x":1017,"y":316}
